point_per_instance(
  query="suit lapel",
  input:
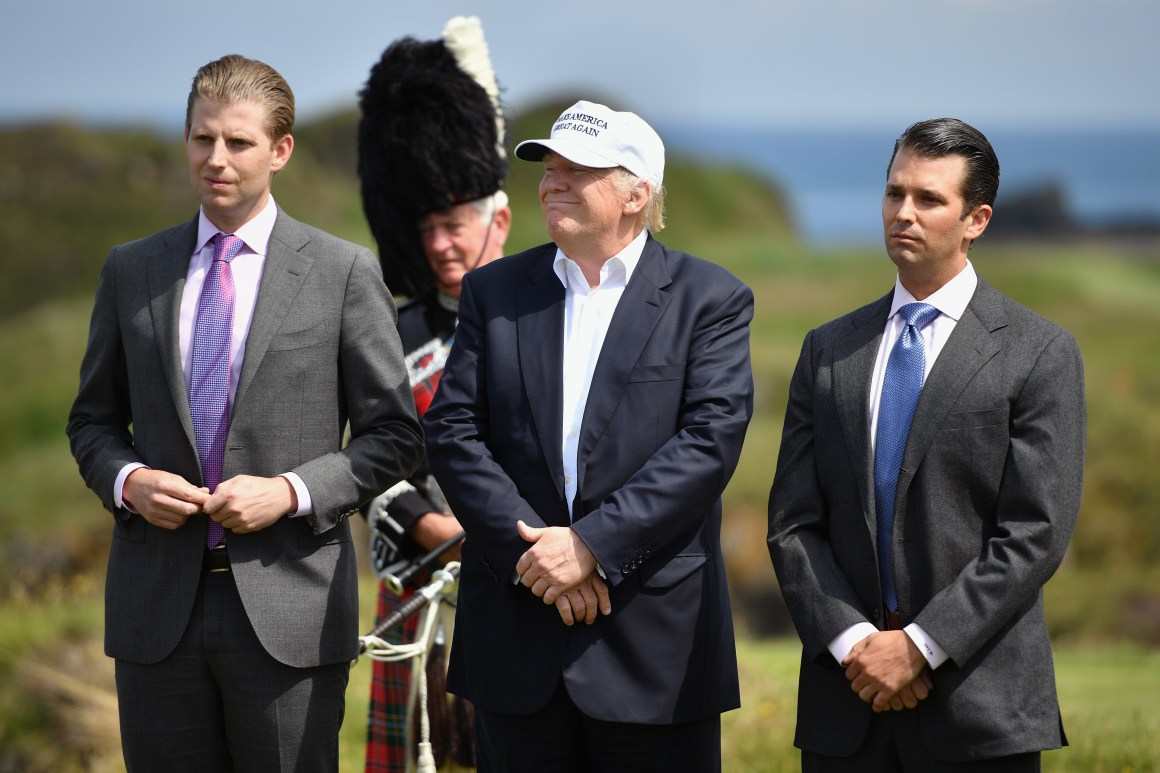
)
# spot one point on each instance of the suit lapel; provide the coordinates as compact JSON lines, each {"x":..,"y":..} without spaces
{"x":853,"y":369}
{"x":540,"y":340}
{"x":286,"y":267}
{"x":166,"y":273}
{"x":637,"y":314}
{"x":967,"y":349}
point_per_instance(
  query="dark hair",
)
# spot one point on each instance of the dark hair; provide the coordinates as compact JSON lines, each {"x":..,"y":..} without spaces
{"x":941,"y":137}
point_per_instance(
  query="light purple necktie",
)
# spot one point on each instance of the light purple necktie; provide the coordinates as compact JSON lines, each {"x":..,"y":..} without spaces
{"x":209,"y":385}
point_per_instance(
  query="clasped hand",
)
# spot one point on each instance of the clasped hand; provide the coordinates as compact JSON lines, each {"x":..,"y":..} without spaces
{"x":887,"y":671}
{"x":560,"y":569}
{"x":244,"y":503}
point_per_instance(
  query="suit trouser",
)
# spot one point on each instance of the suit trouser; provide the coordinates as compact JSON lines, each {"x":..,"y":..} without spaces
{"x":893,"y":745}
{"x":559,"y":738}
{"x":220,"y":702}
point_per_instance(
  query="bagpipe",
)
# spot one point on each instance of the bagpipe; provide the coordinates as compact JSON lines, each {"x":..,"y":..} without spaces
{"x":435,"y":586}
{"x":427,"y":600}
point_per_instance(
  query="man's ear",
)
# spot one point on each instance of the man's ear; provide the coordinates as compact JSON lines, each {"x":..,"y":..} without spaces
{"x":979,"y":219}
{"x":501,"y":225}
{"x":282,"y":150}
{"x":638,"y":197}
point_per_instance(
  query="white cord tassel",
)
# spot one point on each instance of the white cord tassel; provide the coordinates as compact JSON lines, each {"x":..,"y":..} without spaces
{"x":426,"y":761}
{"x":442,"y":582}
{"x":463,"y":36}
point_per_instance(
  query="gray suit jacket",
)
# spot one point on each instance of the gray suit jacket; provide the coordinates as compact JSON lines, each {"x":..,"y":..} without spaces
{"x":322,"y":352}
{"x":987,"y":501}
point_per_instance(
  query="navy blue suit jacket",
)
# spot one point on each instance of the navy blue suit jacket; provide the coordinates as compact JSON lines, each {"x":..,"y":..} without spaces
{"x":662,"y":430}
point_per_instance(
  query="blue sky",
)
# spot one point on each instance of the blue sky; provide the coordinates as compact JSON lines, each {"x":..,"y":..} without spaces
{"x":735,"y":63}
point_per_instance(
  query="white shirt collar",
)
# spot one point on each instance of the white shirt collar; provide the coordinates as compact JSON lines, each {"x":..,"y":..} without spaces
{"x":255,"y":233}
{"x":951,"y":299}
{"x":627,"y":259}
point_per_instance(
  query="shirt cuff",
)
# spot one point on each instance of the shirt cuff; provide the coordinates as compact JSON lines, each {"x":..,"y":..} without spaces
{"x":305,"y":505}
{"x":119,"y":485}
{"x":844,"y":642}
{"x":934,"y":654}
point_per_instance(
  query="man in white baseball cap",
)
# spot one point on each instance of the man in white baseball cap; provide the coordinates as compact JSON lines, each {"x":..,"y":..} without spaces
{"x":589,"y":416}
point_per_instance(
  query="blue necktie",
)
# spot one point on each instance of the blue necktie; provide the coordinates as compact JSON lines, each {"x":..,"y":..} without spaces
{"x":900,"y":390}
{"x":209,"y":383}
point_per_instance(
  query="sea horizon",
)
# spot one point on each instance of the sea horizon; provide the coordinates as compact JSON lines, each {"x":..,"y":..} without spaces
{"x":834,"y":177}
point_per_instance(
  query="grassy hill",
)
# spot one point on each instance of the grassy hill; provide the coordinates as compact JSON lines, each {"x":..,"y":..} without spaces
{"x":67,"y":194}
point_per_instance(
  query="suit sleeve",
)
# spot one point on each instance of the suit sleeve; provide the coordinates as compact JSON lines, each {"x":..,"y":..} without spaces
{"x":820,"y":598}
{"x":386,"y":440}
{"x":683,"y":480}
{"x":99,"y":421}
{"x":457,"y":425}
{"x":1035,"y":509}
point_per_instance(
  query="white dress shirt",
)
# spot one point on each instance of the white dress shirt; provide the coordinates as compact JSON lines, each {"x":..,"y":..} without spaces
{"x":587,"y":314}
{"x":951,"y":300}
{"x":246,"y":268}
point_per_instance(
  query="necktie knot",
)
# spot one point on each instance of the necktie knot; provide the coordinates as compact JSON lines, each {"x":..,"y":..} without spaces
{"x":918,"y":315}
{"x":226,"y":247}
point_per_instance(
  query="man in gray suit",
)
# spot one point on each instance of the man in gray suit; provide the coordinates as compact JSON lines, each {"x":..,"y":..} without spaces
{"x":927,"y":487}
{"x":226,"y":358}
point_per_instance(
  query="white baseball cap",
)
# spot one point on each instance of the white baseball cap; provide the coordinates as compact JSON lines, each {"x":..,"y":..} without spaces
{"x":594,"y":135}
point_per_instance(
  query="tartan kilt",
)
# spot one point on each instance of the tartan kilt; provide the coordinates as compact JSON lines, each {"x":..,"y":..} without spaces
{"x":387,"y":742}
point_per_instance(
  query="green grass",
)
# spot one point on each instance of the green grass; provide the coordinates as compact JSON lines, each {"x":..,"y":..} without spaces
{"x":1109,"y":694}
{"x":759,"y":735}
{"x":1109,"y":697}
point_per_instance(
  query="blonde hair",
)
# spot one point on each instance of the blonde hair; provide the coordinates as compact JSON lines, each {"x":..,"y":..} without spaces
{"x":653,"y":214}
{"x":233,"y":79}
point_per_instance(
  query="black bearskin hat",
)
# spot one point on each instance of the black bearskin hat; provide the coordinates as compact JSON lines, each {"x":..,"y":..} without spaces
{"x":429,"y":137}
